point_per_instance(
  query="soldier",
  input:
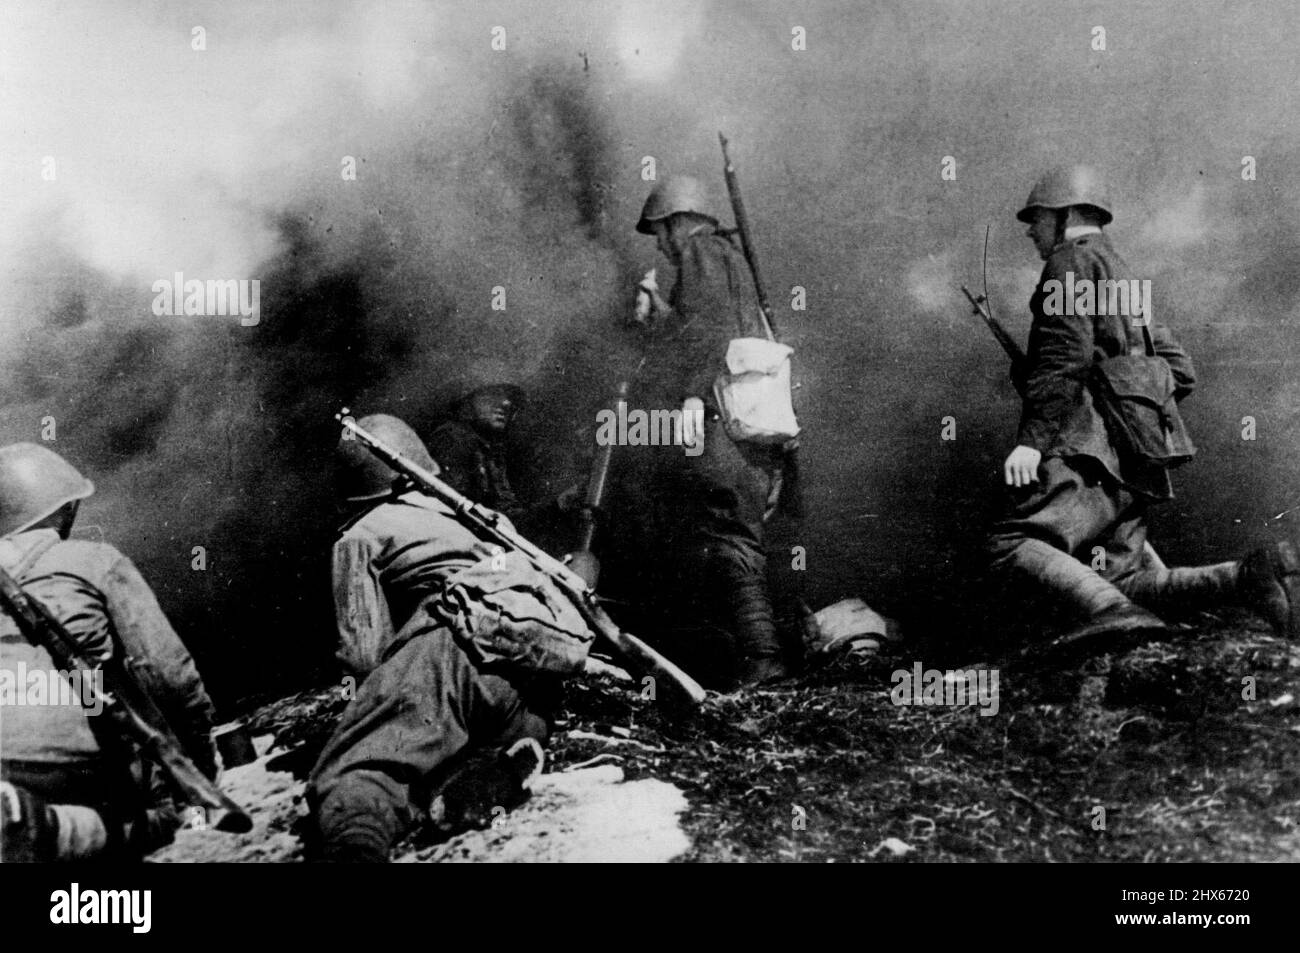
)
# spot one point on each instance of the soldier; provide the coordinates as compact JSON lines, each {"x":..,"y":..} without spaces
{"x":720,"y":497}
{"x":471,"y":451}
{"x":460,"y":646}
{"x":69,"y":792}
{"x":1071,"y":487}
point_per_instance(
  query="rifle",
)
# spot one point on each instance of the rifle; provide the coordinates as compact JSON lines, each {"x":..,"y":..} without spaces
{"x":746,"y":240}
{"x":583,"y":560}
{"x":638,"y":657}
{"x":121,"y":700}
{"x":792,"y":490}
{"x":980,"y":306}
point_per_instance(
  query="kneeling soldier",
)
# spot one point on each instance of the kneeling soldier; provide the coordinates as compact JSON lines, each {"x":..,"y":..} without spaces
{"x":1076,"y":483}
{"x":70,"y":789}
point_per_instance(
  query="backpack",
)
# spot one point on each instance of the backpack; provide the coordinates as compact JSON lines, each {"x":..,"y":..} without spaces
{"x":1134,"y":393}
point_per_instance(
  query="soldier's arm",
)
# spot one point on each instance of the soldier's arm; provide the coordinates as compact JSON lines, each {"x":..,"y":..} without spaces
{"x":160,"y":661}
{"x":1056,"y":368}
{"x":365,"y":624}
{"x":1180,"y":362}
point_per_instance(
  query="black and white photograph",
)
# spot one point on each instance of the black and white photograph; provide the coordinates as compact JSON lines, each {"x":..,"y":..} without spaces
{"x":651,"y":431}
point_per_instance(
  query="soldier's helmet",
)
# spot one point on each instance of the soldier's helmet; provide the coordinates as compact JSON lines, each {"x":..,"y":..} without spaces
{"x":501,"y":390}
{"x":360,"y":476}
{"x":677,"y":193}
{"x":1067,"y":186}
{"x":34,"y":483}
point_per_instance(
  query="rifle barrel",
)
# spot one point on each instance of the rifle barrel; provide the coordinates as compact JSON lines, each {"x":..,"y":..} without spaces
{"x":746,"y":239}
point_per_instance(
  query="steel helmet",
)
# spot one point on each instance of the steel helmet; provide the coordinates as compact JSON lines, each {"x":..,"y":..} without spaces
{"x":35,"y":482}
{"x":1066,"y":186}
{"x":361,"y":476}
{"x":511,"y":392}
{"x":677,"y":193}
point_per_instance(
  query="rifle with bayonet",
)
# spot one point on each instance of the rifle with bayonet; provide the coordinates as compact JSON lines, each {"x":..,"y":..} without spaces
{"x":116,"y":696}
{"x":639,"y":658}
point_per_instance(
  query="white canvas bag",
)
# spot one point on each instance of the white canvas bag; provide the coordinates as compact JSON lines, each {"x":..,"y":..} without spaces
{"x":754,"y":394}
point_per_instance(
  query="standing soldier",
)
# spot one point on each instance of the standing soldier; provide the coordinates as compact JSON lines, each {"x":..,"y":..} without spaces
{"x":460,"y":646}
{"x":1075,"y":485}
{"x":721,"y":496}
{"x":69,"y":792}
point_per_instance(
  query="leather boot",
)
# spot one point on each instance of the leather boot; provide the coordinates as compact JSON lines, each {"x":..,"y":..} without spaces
{"x":760,"y":658}
{"x":1269,"y":583}
{"x":1266,"y":581}
{"x":1186,"y":588}
{"x":1110,"y":621}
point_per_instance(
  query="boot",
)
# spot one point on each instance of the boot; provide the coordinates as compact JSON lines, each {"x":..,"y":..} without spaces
{"x":1266,"y":581}
{"x":1111,"y":622}
{"x":1269,"y":583}
{"x":1186,"y":588}
{"x":1115,"y":630}
{"x":759,"y":649}
{"x":354,"y":824}
{"x":485,"y":785}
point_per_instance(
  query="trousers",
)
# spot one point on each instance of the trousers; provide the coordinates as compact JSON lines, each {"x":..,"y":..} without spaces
{"x":424,"y":705}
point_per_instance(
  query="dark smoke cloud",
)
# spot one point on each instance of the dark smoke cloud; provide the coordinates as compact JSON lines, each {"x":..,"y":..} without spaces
{"x":521,"y":169}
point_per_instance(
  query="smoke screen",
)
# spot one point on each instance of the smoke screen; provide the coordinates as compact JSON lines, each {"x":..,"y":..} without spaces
{"x":521,"y":169}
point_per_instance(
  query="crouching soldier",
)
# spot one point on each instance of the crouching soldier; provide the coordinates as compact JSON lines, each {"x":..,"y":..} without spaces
{"x":70,"y":790}
{"x":460,"y":645}
{"x":1090,"y":461}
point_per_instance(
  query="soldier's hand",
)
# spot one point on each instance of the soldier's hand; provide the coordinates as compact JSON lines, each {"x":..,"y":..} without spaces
{"x":571,"y":499}
{"x":692,"y":421}
{"x":1021,"y":468}
{"x":650,"y":283}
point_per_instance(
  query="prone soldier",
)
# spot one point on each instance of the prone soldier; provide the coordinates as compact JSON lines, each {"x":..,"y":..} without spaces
{"x":460,"y":646}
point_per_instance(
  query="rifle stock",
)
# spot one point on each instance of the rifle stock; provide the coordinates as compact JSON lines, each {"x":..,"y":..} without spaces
{"x":641,"y":658}
{"x":120,"y":700}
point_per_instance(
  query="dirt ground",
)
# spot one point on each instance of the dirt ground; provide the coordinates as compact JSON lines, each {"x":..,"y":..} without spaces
{"x":1181,"y":750}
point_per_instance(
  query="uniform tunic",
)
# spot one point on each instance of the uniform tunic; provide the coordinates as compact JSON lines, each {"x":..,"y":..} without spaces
{"x":105,"y":604}
{"x":476,"y":467}
{"x":1087,"y":495}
